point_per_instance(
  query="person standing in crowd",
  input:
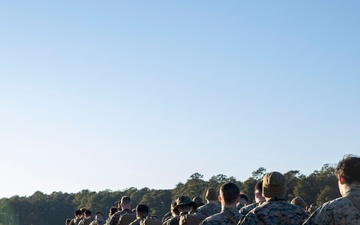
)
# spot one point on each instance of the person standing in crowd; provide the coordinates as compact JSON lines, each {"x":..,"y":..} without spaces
{"x":99,"y":219}
{"x":183,"y":206}
{"x":77,"y":218}
{"x":142,"y":211}
{"x":210,"y":208}
{"x":276,"y":210}
{"x":243,"y":201}
{"x":229,"y":197}
{"x":125,"y":206}
{"x":259,"y":199}
{"x":346,"y":209}
{"x":170,"y":214}
{"x":87,"y":218}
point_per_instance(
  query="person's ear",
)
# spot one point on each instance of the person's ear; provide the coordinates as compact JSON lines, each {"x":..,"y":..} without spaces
{"x":341,"y":179}
{"x":219,"y":198}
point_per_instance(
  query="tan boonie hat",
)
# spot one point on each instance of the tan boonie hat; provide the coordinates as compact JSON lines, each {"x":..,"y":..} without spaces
{"x":274,"y":185}
{"x":211,"y":194}
{"x":299,"y":202}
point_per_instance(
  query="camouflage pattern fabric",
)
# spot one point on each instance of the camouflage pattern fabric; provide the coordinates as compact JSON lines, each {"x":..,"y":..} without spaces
{"x":175,"y":220}
{"x":166,"y":221}
{"x":115,"y":218}
{"x":150,"y":221}
{"x":172,"y":221}
{"x":75,"y":221}
{"x":244,"y":210}
{"x":339,"y":211}
{"x":209,"y":209}
{"x":228,"y":216}
{"x":239,"y":206}
{"x":136,"y":222}
{"x":191,"y":219}
{"x":167,"y":216}
{"x":275,"y":212}
{"x":127,"y":218}
{"x":86,"y":221}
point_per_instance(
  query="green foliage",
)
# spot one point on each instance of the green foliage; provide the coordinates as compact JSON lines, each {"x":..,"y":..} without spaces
{"x":42,"y":209}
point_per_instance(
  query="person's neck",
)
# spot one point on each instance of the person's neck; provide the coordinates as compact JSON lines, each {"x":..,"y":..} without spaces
{"x":229,"y":206}
{"x":344,"y":188}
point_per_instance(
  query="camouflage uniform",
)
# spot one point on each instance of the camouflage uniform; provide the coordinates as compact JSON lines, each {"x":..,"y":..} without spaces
{"x":226,"y":217}
{"x":209,"y":209}
{"x":75,"y":221}
{"x":275,"y":212}
{"x":136,"y":222}
{"x":115,"y":218}
{"x":167,"y":216}
{"x":86,"y":221}
{"x":339,"y":211}
{"x":239,"y":206}
{"x":175,"y":220}
{"x":244,"y":210}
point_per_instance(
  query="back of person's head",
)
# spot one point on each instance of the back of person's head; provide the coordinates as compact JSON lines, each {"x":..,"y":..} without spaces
{"x":258,"y":186}
{"x":274,"y":185}
{"x":67,"y":221}
{"x":98,"y":213}
{"x":125,"y":203}
{"x":113,"y":210}
{"x":349,"y":169}
{"x":125,"y":200}
{"x":299,"y":202}
{"x":198,"y":200}
{"x":99,"y":218}
{"x":229,"y":192}
{"x":78,"y":212}
{"x":83,"y":210}
{"x":258,"y":191}
{"x":211,"y":194}
{"x":88,"y":213}
{"x":142,"y":210}
{"x":244,"y":199}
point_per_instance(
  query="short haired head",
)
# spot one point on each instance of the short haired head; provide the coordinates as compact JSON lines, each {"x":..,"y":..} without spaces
{"x":142,"y":210}
{"x":198,"y":200}
{"x":349,"y":169}
{"x":244,"y":196}
{"x":274,"y":185}
{"x":83,"y":210}
{"x":125,"y":200}
{"x":113,"y":210}
{"x":87,"y":213}
{"x":258,"y":186}
{"x":99,"y":217}
{"x":299,"y":202}
{"x":229,"y":192}
{"x":78,"y":212}
{"x":211,"y":194}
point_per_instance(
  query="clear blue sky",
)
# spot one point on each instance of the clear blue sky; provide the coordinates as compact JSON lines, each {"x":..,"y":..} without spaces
{"x":116,"y":94}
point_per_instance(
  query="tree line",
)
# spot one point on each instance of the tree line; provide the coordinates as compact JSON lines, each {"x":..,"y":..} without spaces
{"x":43,"y":209}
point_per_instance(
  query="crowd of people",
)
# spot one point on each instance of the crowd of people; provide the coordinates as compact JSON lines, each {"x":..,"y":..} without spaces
{"x":230,"y":207}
